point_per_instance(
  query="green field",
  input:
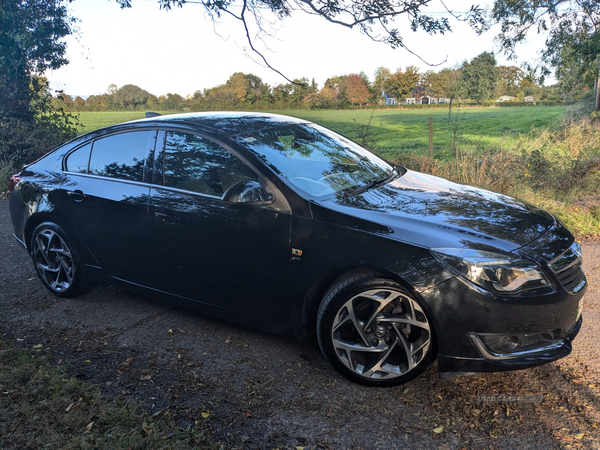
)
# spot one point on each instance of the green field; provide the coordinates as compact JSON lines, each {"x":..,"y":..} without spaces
{"x":91,"y":121}
{"x":398,"y":131}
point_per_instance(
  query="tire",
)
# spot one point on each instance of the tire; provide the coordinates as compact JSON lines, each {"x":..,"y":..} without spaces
{"x":374,"y":332}
{"x":57,"y":262}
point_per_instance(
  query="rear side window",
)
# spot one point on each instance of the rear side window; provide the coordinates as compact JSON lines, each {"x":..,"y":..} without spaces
{"x":121,"y":155}
{"x":199,"y":165}
{"x":78,"y":160}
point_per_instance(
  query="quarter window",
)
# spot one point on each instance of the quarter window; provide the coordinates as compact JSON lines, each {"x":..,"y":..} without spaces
{"x":78,"y":160}
{"x":121,"y":155}
{"x":196,"y":164}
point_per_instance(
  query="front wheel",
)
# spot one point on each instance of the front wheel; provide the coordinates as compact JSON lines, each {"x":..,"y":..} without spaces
{"x":374,"y":332}
{"x":56,"y":261}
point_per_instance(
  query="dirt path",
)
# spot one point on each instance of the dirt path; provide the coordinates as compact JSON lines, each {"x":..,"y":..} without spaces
{"x":265,"y":392}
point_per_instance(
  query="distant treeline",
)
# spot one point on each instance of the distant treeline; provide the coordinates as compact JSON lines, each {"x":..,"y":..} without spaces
{"x":479,"y":81}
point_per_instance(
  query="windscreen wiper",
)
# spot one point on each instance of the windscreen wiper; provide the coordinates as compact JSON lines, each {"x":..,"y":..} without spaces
{"x":376,"y":182}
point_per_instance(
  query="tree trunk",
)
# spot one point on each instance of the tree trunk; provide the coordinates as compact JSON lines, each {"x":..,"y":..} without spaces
{"x":598,"y":91}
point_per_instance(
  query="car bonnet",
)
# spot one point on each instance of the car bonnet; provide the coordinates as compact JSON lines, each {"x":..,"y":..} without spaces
{"x":434,"y":212}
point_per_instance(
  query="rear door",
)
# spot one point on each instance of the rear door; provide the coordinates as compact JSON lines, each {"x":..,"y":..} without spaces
{"x":229,"y":256}
{"x":107,"y":200}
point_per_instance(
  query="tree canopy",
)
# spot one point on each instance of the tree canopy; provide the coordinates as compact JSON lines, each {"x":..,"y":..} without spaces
{"x":31,"y":41}
{"x":478,"y":78}
{"x":572,"y":28}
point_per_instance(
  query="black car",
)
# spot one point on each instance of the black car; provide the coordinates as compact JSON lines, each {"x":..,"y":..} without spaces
{"x":286,"y":226}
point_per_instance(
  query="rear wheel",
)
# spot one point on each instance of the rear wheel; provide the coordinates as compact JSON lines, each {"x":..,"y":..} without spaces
{"x":374,"y":332}
{"x":56,"y":261}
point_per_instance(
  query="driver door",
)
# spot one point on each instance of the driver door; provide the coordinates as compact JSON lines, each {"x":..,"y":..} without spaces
{"x":229,"y":256}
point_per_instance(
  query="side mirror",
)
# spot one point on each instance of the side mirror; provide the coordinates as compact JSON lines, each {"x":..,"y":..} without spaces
{"x":249,"y":193}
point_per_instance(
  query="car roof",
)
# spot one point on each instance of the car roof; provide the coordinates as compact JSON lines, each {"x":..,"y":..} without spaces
{"x":229,"y":122}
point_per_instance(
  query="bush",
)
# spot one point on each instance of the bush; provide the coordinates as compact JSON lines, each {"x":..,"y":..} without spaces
{"x":25,"y":139}
{"x":5,"y":173}
{"x":509,"y":104}
{"x":551,"y":102}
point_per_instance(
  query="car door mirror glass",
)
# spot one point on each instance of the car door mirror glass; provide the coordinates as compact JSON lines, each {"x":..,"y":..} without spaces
{"x":248,"y":192}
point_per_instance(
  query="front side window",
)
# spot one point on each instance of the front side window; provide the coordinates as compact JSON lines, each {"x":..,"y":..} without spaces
{"x":314,"y":159}
{"x":196,"y":164}
{"x":121,"y":155}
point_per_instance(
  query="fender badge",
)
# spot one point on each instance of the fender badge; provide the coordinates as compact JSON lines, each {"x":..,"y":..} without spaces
{"x":296,"y":252}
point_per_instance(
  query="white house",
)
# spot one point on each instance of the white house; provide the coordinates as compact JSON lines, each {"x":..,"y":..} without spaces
{"x":529,"y":98}
{"x":506,"y":98}
{"x":427,"y":100}
{"x":389,"y":100}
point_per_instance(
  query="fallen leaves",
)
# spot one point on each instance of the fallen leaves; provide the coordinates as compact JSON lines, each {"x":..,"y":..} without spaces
{"x":88,"y":427}
{"x":439,"y":429}
{"x":70,"y":407}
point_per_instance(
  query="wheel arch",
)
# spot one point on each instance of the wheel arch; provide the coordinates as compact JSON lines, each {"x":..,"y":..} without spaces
{"x":31,"y":224}
{"x":319,"y":289}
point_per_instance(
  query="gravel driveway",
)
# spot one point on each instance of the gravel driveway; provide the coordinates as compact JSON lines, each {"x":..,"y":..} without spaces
{"x":263,"y":391}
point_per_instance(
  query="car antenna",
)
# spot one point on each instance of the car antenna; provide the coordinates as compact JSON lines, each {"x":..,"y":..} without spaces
{"x":152,"y":114}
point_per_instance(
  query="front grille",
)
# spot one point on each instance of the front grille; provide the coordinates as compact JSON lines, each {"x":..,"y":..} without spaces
{"x":570,"y":275}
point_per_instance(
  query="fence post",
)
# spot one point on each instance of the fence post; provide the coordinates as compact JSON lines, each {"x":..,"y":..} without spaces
{"x":431,"y":138}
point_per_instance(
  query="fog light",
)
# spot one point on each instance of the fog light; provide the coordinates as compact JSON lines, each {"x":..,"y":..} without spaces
{"x":509,"y":343}
{"x":501,"y":346}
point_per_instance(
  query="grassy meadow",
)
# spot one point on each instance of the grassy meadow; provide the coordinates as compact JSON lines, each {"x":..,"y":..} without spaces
{"x":394,"y":132}
{"x":526,"y":152}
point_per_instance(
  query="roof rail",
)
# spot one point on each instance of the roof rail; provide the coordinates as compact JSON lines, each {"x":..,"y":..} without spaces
{"x":152,"y":114}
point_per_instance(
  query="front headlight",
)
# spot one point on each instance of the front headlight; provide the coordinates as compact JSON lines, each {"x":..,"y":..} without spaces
{"x":492,"y":271}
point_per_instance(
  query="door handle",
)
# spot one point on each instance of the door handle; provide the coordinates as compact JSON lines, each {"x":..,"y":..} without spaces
{"x":165,"y":218}
{"x":76,"y":195}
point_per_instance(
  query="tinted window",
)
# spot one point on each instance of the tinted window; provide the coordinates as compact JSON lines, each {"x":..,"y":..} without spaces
{"x":78,"y":160}
{"x":122,"y":155}
{"x":199,"y":165}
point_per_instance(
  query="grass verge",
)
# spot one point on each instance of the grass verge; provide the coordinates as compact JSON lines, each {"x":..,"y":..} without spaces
{"x":558,"y":170}
{"x":41,"y":407}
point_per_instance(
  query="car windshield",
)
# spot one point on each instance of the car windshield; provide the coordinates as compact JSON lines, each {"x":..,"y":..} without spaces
{"x":315,"y":159}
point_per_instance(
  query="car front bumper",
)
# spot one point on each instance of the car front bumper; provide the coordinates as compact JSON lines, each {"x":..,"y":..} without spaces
{"x":450,"y":366}
{"x":466,"y":315}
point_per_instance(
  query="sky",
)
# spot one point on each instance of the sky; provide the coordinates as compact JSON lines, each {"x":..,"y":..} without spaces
{"x":182,"y":50}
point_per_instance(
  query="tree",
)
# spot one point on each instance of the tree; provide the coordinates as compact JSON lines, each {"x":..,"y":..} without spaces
{"x":572,"y":27}
{"x":130,"y":96}
{"x":381,"y":74}
{"x":356,"y":90}
{"x":440,"y":83}
{"x":510,"y":79}
{"x":298,"y":90}
{"x":400,"y":84}
{"x":478,"y":79}
{"x":171,"y":102}
{"x":31,"y":42}
{"x":338,"y":84}
{"x":249,"y":88}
